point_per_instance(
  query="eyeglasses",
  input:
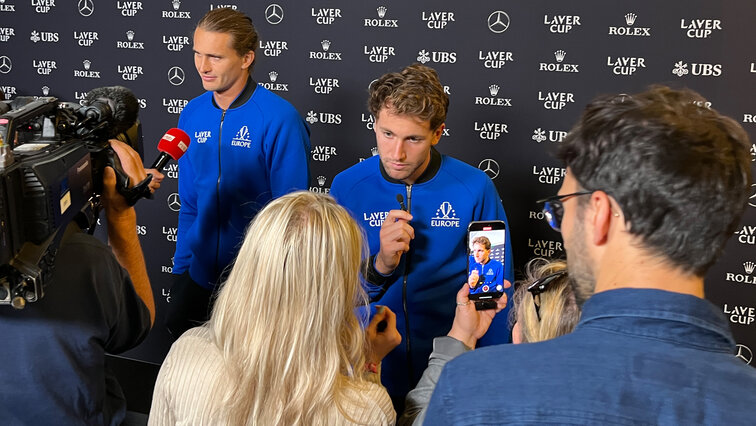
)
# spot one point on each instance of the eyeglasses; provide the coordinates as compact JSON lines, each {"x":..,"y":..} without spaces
{"x":539,"y":286}
{"x":553,"y":209}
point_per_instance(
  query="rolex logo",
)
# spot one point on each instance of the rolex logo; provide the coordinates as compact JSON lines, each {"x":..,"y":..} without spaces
{"x":46,"y":91}
{"x":326,"y":44}
{"x":374,"y":150}
{"x":381,"y":11}
{"x":559,"y":55}
{"x":749,"y":266}
{"x":321,"y":180}
{"x":87,"y":63}
{"x":493,"y":89}
{"x":273,"y":76}
{"x":176,"y":4}
{"x":130,"y":35}
{"x":630,"y":18}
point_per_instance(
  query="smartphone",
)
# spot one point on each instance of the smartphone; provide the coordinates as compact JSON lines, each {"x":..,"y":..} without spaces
{"x":485,"y":261}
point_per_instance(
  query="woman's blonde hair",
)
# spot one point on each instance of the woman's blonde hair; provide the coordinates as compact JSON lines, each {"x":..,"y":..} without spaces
{"x":285,"y":319}
{"x":559,"y":313}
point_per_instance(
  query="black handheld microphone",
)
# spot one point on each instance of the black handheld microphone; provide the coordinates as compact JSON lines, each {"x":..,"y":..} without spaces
{"x":400,"y":199}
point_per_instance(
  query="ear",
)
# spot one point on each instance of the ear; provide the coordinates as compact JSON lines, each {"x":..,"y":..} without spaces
{"x":601,"y":210}
{"x":248,"y":59}
{"x":437,"y":134}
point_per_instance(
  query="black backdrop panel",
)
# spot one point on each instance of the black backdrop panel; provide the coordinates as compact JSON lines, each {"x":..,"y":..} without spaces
{"x":518,"y":74}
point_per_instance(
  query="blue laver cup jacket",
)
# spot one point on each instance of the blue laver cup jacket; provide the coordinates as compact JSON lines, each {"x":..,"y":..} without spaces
{"x":443,"y":201}
{"x":237,"y":161}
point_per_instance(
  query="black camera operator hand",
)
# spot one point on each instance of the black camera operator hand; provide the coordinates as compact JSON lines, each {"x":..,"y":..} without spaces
{"x":122,"y":223}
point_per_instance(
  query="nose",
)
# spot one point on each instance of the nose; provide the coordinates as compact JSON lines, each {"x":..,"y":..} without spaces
{"x":203,"y":65}
{"x":398,"y":150}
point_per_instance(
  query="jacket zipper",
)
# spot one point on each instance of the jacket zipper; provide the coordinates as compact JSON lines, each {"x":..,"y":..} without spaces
{"x":407,"y":340}
{"x":217,"y":197}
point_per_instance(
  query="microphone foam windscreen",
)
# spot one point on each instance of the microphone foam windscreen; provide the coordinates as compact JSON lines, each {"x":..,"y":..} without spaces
{"x":174,"y":143}
{"x":123,"y":102}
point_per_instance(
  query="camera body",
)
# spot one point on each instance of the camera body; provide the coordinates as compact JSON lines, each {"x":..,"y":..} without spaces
{"x":52,"y":158}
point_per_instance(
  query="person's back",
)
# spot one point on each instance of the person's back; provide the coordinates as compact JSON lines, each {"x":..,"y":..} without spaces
{"x":663,"y":358}
{"x":284,"y":344}
{"x":655,"y":186}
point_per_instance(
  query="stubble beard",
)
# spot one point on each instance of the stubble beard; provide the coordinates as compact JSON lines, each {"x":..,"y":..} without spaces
{"x":579,"y":267}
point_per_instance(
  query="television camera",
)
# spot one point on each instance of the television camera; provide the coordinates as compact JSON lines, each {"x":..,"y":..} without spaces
{"x":52,"y":158}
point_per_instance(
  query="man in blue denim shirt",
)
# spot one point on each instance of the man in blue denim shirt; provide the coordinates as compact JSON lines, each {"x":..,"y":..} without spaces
{"x":655,"y":186}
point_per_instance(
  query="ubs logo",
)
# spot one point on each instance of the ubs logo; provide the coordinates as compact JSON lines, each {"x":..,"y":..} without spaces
{"x":45,"y":36}
{"x":705,"y":70}
{"x":424,"y":57}
{"x":323,"y":117}
{"x":540,"y":135}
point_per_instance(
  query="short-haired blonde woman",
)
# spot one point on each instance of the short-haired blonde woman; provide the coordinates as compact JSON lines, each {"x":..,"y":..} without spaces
{"x":284,"y":344}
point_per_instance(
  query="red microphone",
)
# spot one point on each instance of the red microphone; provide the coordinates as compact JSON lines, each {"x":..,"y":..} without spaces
{"x":173,"y":144}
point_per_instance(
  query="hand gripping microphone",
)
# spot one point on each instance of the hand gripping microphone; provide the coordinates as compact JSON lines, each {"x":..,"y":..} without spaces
{"x":173,"y":144}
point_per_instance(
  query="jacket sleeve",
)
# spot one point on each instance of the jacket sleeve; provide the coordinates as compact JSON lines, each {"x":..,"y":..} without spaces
{"x":444,"y":349}
{"x":188,"y":212}
{"x":287,"y":154}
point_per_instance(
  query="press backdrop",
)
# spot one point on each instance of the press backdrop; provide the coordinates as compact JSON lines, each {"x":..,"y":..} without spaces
{"x":518,"y":74}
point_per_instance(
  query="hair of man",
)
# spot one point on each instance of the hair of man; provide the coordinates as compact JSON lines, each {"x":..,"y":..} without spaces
{"x":558,"y":309}
{"x":285,"y":319}
{"x":483,"y":241}
{"x":680,"y":171}
{"x":415,"y":91}
{"x":226,"y":20}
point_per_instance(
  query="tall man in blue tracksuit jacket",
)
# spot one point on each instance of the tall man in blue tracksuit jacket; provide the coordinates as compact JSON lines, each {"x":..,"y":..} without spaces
{"x":418,"y":256}
{"x":248,"y":146}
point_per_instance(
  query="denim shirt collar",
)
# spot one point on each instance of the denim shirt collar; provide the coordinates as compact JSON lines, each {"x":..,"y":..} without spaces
{"x":679,"y":318}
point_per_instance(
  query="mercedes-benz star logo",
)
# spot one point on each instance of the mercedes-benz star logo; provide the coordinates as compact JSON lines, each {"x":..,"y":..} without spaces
{"x":491,"y":167}
{"x":744,"y":352}
{"x":176,"y":76}
{"x":751,"y":200}
{"x":174,"y":203}
{"x":498,"y":21}
{"x":86,"y":7}
{"x":5,"y":64}
{"x":274,"y":14}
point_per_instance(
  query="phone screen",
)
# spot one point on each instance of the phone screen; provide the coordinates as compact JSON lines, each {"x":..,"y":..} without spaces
{"x":485,"y":260}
